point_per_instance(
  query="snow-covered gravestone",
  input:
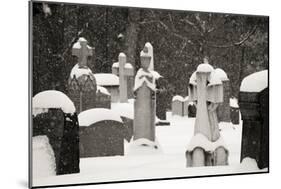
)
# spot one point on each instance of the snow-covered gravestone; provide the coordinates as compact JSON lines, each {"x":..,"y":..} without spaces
{"x":102,"y":133}
{"x":124,"y":70}
{"x":144,"y":106}
{"x":82,"y":84}
{"x":180,"y":105}
{"x":223,"y":109}
{"x":206,"y":147}
{"x":82,"y":50}
{"x":54,"y":116}
{"x":254,"y":107}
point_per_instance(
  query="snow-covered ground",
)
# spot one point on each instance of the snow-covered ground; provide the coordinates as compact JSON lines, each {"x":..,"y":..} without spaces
{"x":173,"y":141}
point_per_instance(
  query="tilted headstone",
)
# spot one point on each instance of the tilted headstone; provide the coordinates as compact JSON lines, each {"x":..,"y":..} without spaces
{"x":102,"y":133}
{"x":144,"y":106}
{"x":125,"y":71}
{"x":206,"y":89}
{"x":254,"y":107}
{"x":54,"y":116}
{"x":223,"y":109}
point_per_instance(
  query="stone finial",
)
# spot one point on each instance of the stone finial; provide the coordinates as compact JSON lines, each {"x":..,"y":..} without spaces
{"x":82,"y":50}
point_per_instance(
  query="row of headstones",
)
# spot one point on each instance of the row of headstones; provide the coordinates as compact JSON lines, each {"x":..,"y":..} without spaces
{"x":101,"y":131}
{"x":93,"y":133}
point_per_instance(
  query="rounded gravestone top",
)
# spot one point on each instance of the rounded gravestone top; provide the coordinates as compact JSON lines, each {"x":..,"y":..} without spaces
{"x":215,"y":78}
{"x":255,"y":82}
{"x":204,"y":67}
{"x":221,"y":74}
{"x":106,"y":79}
{"x":91,"y":116}
{"x":51,"y":99}
{"x":78,"y":72}
{"x":178,"y":98}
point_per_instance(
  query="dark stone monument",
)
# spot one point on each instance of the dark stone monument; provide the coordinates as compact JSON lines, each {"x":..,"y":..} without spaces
{"x":234,"y":111}
{"x":254,"y":107}
{"x":54,"y":116}
{"x":102,"y":133}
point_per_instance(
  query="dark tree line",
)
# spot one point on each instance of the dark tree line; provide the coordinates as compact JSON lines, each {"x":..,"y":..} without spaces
{"x":236,"y":43}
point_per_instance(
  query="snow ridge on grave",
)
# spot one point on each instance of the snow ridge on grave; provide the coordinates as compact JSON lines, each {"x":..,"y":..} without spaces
{"x":180,"y":98}
{"x":124,"y":109}
{"x":78,"y":72}
{"x":215,"y":78}
{"x":204,"y":68}
{"x":143,"y":146}
{"x":45,"y":100}
{"x":91,"y":116}
{"x":44,"y":163}
{"x":255,"y":82}
{"x":141,"y":79}
{"x":199,"y":140}
{"x":233,"y":102}
{"x":103,"y":90}
{"x":106,"y":79}
{"x":77,"y":44}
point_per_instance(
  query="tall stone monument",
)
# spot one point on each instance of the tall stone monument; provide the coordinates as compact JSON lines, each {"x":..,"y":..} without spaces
{"x":82,"y":84}
{"x":206,"y":147}
{"x":125,"y":71}
{"x":254,"y":106}
{"x":144,"y":107}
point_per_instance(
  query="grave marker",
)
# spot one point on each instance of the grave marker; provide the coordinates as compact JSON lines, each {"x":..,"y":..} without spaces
{"x":206,"y":89}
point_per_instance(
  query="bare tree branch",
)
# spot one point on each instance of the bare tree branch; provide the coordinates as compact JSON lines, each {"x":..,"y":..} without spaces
{"x":239,"y":43}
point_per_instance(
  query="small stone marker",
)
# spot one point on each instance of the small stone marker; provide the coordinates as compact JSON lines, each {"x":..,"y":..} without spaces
{"x":206,"y":89}
{"x":124,"y":70}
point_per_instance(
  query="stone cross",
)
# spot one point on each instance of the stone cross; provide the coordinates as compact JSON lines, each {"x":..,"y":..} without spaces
{"x":82,"y":50}
{"x":207,"y":91}
{"x":125,"y":70}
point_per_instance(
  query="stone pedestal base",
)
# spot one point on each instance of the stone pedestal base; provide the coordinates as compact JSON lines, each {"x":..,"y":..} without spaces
{"x":202,"y":152}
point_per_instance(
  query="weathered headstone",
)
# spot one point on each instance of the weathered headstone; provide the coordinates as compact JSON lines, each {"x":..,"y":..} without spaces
{"x":223,"y":109}
{"x":144,"y":114}
{"x":206,"y":89}
{"x":110,"y":82}
{"x":177,"y":105}
{"x":82,"y":84}
{"x":180,"y":105}
{"x":125,"y":71}
{"x":103,"y":98}
{"x":101,"y":133}
{"x":254,"y":106}
{"x":54,"y":116}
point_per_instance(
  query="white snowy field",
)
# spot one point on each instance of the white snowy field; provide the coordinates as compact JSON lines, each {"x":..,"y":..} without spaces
{"x":169,"y":163}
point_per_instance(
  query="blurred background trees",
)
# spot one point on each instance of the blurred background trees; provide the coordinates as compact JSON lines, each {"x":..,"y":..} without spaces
{"x":181,"y":39}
